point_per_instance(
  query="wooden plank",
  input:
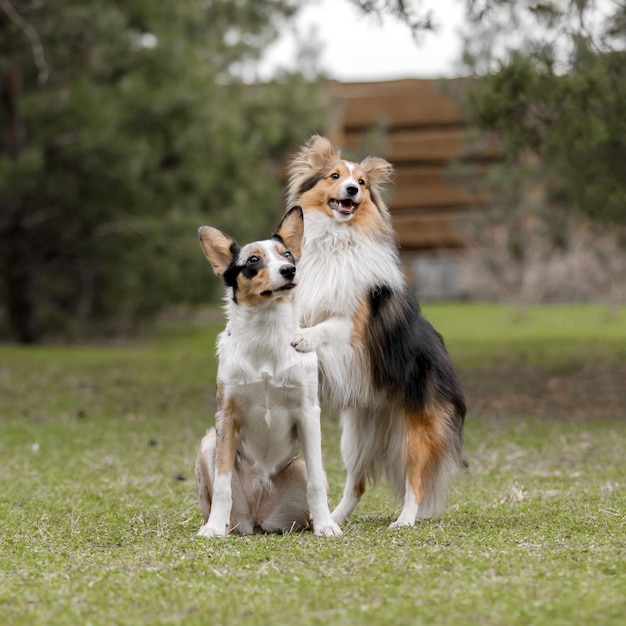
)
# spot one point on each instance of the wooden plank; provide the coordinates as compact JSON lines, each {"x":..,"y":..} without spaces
{"x":418,"y":126}
{"x":428,"y":145}
{"x":420,"y":232}
{"x":427,"y":187}
{"x":405,"y":103}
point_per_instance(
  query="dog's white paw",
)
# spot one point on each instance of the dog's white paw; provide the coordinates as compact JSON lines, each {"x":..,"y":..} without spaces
{"x":402,"y":523}
{"x":343,"y":511}
{"x":329,"y":529}
{"x":209,"y":531}
{"x":305,"y":340}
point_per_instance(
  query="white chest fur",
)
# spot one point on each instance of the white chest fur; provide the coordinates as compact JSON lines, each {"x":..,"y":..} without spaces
{"x":339,"y":267}
{"x":270,"y":383}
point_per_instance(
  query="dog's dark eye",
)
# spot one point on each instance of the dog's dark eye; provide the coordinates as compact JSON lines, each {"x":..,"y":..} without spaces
{"x":334,"y":176}
{"x":288,"y":255}
{"x":361,"y":182}
{"x":252,"y":260}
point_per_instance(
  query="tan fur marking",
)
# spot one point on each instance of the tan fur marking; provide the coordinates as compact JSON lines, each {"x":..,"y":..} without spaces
{"x":367,"y":219}
{"x":249,"y":290}
{"x":316,"y":199}
{"x":227,"y":426}
{"x":291,"y":230}
{"x":216,"y":246}
{"x":203,"y":472}
{"x":295,"y":469}
{"x":423,"y":447}
{"x":316,"y":154}
{"x":359,"y":489}
{"x":258,"y":250}
{"x":208,"y":484}
{"x":360,"y":320}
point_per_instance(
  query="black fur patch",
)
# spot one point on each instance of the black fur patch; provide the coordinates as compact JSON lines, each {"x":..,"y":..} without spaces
{"x":408,"y":355}
{"x":377,"y":202}
{"x":250,"y":271}
{"x":279,"y":239}
{"x":233,"y":270}
{"x":310,"y":182}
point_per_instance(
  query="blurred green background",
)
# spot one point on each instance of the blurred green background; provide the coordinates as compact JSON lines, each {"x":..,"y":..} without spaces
{"x":126,"y":124}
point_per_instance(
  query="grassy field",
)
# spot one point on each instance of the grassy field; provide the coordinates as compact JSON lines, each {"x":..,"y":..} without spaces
{"x":98,"y":509}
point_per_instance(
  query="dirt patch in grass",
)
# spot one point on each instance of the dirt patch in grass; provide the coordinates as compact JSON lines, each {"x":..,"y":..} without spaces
{"x":589,"y":391}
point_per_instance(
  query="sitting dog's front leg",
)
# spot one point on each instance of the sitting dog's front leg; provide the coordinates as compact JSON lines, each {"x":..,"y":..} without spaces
{"x":331,"y":331}
{"x":227,"y":430}
{"x":309,"y":432}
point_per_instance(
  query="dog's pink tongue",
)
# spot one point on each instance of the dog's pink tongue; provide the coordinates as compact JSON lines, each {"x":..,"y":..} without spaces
{"x":346,"y":206}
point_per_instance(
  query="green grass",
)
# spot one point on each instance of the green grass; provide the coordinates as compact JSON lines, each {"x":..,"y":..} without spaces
{"x":98,"y":509}
{"x":486,"y":334}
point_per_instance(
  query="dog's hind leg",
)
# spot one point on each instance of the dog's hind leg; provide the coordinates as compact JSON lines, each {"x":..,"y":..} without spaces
{"x":241,"y":514}
{"x":352,"y":493}
{"x":241,"y":521}
{"x":286,"y":507}
{"x":205,"y":472}
{"x":425,"y":458}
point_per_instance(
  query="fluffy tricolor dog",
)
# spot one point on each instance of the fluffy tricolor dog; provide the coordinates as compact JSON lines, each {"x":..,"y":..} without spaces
{"x":381,"y":362}
{"x":248,"y":473}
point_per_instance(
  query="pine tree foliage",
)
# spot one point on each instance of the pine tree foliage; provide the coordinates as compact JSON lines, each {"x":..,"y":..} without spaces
{"x":124,"y":127}
{"x":553,"y":88}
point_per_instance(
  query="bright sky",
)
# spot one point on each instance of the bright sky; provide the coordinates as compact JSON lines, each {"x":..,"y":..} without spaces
{"x":354,"y":47}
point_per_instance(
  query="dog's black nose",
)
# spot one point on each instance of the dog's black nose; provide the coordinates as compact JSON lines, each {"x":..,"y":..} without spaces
{"x":351,"y":190}
{"x":288,"y":271}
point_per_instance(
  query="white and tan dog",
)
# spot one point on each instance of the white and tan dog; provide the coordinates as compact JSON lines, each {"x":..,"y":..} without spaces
{"x":249,"y":476}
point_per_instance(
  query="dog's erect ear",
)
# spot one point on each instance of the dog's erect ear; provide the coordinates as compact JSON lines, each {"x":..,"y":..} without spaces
{"x":320,"y":151}
{"x":377,"y":170}
{"x":308,"y":165}
{"x":314,"y":155}
{"x":291,"y":229}
{"x":218,"y":248}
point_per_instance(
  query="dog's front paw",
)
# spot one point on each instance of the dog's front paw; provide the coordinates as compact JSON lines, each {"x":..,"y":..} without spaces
{"x":330,"y":529}
{"x":306,"y":340}
{"x":210,"y":531}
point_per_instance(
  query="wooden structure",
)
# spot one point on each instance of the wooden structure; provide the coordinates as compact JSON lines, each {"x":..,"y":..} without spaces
{"x":418,"y":126}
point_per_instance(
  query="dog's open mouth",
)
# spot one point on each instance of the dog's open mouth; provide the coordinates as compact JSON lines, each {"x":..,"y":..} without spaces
{"x":346,"y":206}
{"x":268,"y":292}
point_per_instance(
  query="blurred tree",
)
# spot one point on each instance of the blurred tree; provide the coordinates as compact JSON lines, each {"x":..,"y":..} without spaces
{"x":124,"y":127}
{"x":553,"y":87}
{"x":416,"y":14}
